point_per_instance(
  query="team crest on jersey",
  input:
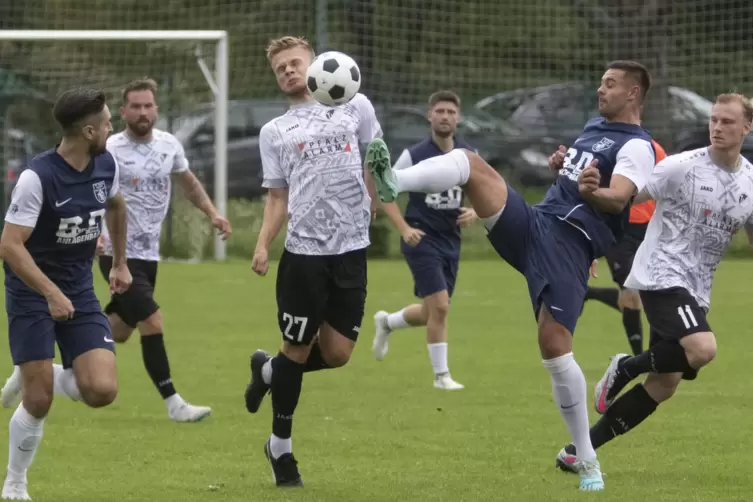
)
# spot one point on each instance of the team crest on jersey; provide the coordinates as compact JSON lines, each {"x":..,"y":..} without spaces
{"x":100,"y":191}
{"x":603,"y":144}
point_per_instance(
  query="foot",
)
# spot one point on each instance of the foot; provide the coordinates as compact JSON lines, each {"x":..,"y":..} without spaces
{"x":603,"y":395}
{"x":591,"y":479}
{"x":566,"y":459}
{"x":380,"y":166}
{"x":257,"y":389}
{"x":445,"y":382}
{"x":187,"y":413}
{"x":380,"y":346}
{"x":15,"y":490}
{"x":284,"y":468}
{"x":12,"y":388}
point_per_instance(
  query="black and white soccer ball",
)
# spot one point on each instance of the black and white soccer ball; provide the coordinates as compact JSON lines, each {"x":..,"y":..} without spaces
{"x":333,"y":78}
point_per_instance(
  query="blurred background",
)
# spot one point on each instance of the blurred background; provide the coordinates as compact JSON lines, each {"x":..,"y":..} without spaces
{"x":526,"y":71}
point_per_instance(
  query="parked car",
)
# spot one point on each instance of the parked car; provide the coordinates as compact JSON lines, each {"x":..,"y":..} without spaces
{"x":560,"y":110}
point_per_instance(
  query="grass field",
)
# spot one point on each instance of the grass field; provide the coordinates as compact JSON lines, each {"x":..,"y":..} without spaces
{"x":378,"y":431}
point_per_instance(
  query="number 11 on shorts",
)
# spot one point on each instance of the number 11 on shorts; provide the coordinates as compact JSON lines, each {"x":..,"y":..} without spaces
{"x":689,"y":319}
{"x":300,"y":322}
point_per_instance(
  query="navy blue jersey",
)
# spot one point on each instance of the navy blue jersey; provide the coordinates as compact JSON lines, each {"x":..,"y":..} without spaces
{"x":66,"y":209}
{"x":619,"y":148}
{"x":436,"y":214}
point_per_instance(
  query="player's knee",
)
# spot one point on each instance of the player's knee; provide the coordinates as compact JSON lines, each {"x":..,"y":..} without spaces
{"x":100,"y":392}
{"x":121,"y":332}
{"x":438,"y":308}
{"x":337,"y":356}
{"x":629,"y":299}
{"x":554,"y":339}
{"x":37,"y":400}
{"x":700,"y":348}
{"x":662,"y":386}
{"x":152,"y":324}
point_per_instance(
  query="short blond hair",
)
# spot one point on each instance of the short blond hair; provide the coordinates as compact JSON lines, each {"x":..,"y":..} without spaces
{"x":277,"y":45}
{"x":729,"y":97}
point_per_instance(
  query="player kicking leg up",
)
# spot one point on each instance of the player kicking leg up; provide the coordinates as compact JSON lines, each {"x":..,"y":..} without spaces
{"x":52,"y":225}
{"x":321,"y":276}
{"x":554,"y":243}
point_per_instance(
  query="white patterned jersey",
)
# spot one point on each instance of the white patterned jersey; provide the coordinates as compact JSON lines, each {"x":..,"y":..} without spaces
{"x":313,"y":151}
{"x":699,"y":207}
{"x":145,"y":169}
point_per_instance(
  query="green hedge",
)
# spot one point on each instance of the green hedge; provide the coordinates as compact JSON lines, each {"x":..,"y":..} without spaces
{"x":190,"y":236}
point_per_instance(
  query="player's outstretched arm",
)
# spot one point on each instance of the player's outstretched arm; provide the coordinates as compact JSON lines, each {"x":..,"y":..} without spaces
{"x":195,"y":192}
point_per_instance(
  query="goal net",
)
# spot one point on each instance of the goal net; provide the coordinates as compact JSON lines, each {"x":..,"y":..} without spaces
{"x":406,"y":50}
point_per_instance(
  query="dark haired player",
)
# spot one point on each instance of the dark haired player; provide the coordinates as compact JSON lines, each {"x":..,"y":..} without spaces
{"x":430,"y":243}
{"x":55,"y":216}
{"x":554,"y":243}
{"x":703,"y":197}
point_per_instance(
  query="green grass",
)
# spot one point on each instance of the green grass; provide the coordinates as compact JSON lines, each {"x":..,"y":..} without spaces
{"x":376,"y":431}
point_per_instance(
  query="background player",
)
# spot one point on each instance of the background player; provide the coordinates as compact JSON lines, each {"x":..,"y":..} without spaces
{"x":52,"y":225}
{"x":148,"y":158}
{"x":313,"y":172}
{"x":554,"y":243}
{"x":703,"y":197}
{"x":620,"y":260}
{"x":430,"y":243}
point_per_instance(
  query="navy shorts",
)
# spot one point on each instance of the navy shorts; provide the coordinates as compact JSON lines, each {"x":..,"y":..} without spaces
{"x":33,"y":333}
{"x":553,"y":255}
{"x":432,"y":271}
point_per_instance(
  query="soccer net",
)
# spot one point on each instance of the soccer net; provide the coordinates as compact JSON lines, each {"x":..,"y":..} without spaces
{"x":406,"y":50}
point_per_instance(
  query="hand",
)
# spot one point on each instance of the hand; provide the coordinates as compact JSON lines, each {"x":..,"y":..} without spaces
{"x":120,"y":278}
{"x":557,"y":159}
{"x":595,"y":269}
{"x":467,"y":217}
{"x":589,"y":178}
{"x":260,"y":262}
{"x":61,"y":308}
{"x":100,"y":249}
{"x":222,"y":225}
{"x":412,"y":236}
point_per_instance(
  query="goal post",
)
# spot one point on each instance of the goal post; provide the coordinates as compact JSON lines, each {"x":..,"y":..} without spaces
{"x":218,"y":84}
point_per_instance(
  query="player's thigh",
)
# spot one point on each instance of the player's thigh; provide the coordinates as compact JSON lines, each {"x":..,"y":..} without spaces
{"x":426,"y":267}
{"x":486,"y":189}
{"x":302,"y":293}
{"x":347,"y":294}
{"x":511,"y":231}
{"x":137,"y":303}
{"x":673,"y":315}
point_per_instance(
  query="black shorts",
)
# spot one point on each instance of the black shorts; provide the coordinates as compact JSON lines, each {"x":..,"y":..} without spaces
{"x":312,"y":290}
{"x":673,"y":314}
{"x":620,"y":257}
{"x":137,"y":303}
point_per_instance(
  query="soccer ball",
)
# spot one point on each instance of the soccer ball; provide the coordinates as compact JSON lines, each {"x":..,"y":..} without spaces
{"x":333,"y":78}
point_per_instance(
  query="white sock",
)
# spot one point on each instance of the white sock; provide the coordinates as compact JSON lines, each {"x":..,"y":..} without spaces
{"x":174,"y":402}
{"x":280,"y":446}
{"x":438,"y":355}
{"x":569,"y":387}
{"x":25,"y":435}
{"x":266,"y":372}
{"x":436,"y":174}
{"x":64,"y":382}
{"x":396,"y":320}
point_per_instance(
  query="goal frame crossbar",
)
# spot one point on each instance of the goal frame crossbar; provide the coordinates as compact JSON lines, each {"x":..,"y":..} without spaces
{"x":219,"y":85}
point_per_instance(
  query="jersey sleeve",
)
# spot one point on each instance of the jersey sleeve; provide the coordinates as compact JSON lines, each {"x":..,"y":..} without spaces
{"x":635,"y":161}
{"x":26,"y":200}
{"x":368,"y":125}
{"x":404,"y":161}
{"x":271,"y":162}
{"x":180,"y":162}
{"x":115,"y":181}
{"x":666,"y":178}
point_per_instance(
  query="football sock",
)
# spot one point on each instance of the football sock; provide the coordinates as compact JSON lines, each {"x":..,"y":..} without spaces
{"x":279,"y":446}
{"x":664,"y":357}
{"x":25,"y":434}
{"x":625,"y":414}
{"x":438,"y":356}
{"x":315,"y":362}
{"x":435,"y":175}
{"x":266,"y":371}
{"x":631,"y":320}
{"x":286,"y":390}
{"x":397,"y":320}
{"x":569,"y":388}
{"x":64,"y":382}
{"x":607,"y":296}
{"x":156,"y":363}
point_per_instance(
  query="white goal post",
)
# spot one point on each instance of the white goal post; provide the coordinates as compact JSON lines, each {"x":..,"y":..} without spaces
{"x":217,"y":83}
